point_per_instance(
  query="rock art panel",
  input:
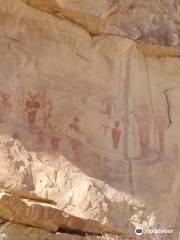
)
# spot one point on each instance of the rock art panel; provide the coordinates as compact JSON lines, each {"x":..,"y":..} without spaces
{"x":87,"y":122}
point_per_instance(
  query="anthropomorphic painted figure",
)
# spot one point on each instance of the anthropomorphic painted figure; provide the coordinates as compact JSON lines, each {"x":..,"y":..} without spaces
{"x":47,"y":115}
{"x":55,"y":143}
{"x":41,"y":138}
{"x":107,"y":106}
{"x":160,"y":127}
{"x":75,"y":125}
{"x":116,"y":134}
{"x":76,"y":147}
{"x":144,"y":120}
{"x":32,"y":105}
{"x":5,"y":105}
{"x":76,"y":143}
{"x":176,"y":153}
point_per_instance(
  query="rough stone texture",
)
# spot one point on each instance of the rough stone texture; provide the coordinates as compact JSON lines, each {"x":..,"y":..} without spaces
{"x":46,"y":216}
{"x":20,"y":232}
{"x":14,"y":231}
{"x":154,"y":21}
{"x":89,"y":124}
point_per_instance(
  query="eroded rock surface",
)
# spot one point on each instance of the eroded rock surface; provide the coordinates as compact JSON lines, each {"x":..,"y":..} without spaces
{"x":154,"y":21}
{"x":46,"y":216}
{"x":89,"y":125}
{"x":14,"y":231}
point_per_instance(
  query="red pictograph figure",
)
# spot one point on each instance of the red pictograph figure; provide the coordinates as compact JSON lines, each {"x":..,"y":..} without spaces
{"x":144,"y":120}
{"x":55,"y":143}
{"x":75,"y":125}
{"x":5,"y":105}
{"x":76,"y":144}
{"x":41,"y":138}
{"x":176,"y":152}
{"x":116,"y":134}
{"x":32,"y":104}
{"x":107,"y":106}
{"x":47,"y":116}
{"x":160,"y":127}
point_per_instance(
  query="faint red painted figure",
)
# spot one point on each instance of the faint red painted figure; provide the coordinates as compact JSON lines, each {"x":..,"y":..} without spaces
{"x":176,"y":152}
{"x":32,"y":104}
{"x":55,"y":144}
{"x":116,"y":134}
{"x":75,"y":125}
{"x":76,"y":147}
{"x":107,"y":106}
{"x":144,"y":120}
{"x":47,"y":116}
{"x":160,"y":127}
{"x":41,"y":138}
{"x":5,"y":105}
{"x":76,"y":144}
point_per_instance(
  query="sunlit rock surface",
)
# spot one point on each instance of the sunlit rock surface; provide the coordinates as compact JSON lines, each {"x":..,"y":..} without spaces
{"x":89,"y":124}
{"x":154,"y":21}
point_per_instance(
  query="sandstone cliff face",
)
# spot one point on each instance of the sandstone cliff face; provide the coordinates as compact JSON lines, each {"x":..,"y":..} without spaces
{"x":155,"y":21}
{"x":89,"y":125}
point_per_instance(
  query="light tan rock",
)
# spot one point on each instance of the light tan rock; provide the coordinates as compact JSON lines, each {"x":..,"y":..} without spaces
{"x":14,"y":231}
{"x":46,"y":216}
{"x":86,"y":122}
{"x":153,"y":21}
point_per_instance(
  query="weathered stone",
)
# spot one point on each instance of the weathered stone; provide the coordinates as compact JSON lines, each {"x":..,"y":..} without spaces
{"x":153,"y":21}
{"x":46,"y":216}
{"x":89,"y":125}
{"x":14,"y":231}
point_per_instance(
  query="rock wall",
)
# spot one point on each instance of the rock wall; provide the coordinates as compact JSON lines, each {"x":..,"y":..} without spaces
{"x":88,"y":123}
{"x":154,"y":21}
